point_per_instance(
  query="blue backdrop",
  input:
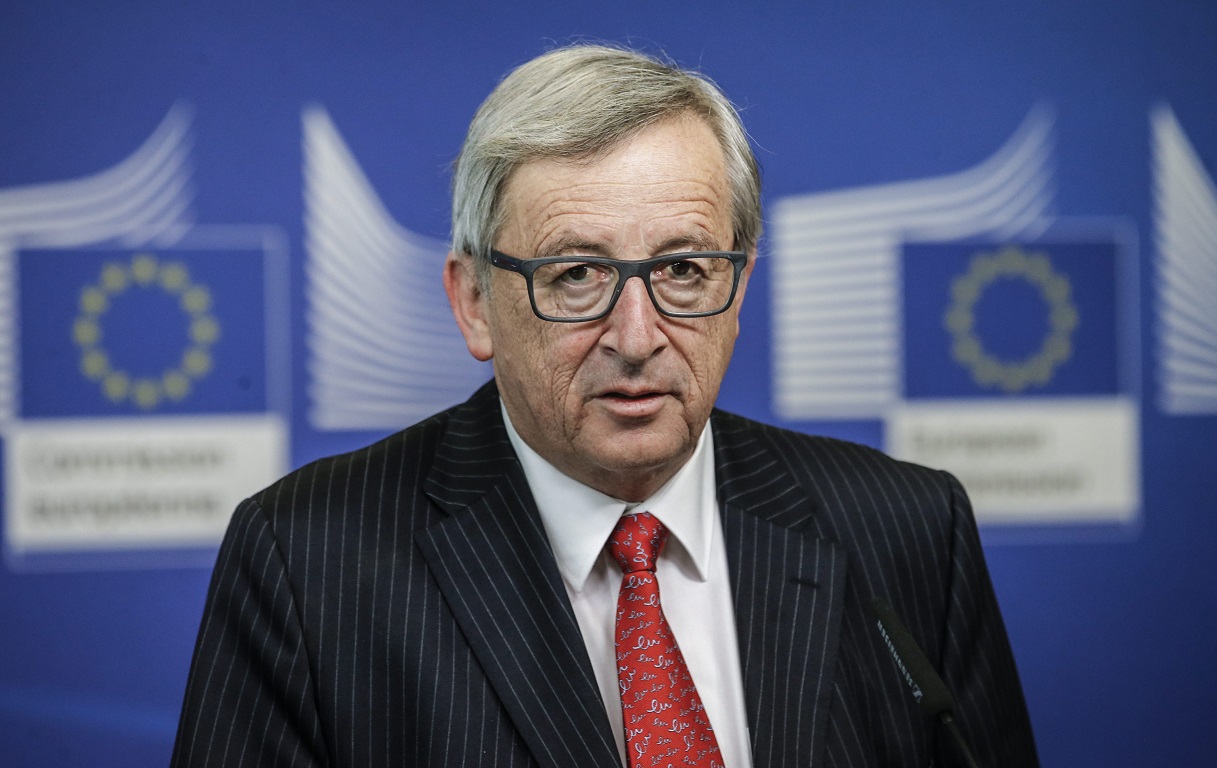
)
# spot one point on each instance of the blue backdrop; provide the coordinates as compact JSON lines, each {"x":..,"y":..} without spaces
{"x":293,"y":156}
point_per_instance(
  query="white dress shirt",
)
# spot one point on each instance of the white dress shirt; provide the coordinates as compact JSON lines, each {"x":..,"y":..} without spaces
{"x":694,"y":587}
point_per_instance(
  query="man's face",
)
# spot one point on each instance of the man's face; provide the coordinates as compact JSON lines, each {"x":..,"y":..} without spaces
{"x":617,"y":403}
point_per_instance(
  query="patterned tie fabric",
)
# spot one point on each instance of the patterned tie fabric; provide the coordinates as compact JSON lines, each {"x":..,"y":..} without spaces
{"x":665,"y":722}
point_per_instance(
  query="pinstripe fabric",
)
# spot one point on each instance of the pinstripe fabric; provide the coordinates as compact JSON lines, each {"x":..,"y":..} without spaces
{"x":816,"y":528}
{"x":372,"y":609}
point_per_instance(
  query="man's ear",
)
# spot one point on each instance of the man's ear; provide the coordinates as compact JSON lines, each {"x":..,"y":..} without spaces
{"x":468,"y":302}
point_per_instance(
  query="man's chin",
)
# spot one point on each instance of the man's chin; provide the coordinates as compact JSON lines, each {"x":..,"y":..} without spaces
{"x":638,"y":460}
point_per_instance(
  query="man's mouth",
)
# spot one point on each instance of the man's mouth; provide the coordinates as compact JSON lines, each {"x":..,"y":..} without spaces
{"x":634,"y":404}
{"x":631,"y":395}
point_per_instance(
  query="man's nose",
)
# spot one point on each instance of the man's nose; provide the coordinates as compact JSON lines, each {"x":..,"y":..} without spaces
{"x":634,"y":324}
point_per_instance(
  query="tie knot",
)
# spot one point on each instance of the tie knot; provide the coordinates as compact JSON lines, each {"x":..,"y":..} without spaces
{"x":637,"y":541}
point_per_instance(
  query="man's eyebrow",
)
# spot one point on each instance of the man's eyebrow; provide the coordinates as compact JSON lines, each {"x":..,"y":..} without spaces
{"x":702,"y":241}
{"x":567,"y":245}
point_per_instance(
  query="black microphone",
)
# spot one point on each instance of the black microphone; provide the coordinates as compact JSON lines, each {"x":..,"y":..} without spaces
{"x":927,"y":688}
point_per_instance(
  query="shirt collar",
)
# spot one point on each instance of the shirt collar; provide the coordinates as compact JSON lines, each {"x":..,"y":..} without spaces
{"x":579,"y":519}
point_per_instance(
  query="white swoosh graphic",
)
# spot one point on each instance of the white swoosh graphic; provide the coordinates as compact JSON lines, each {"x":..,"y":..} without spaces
{"x":1185,"y":224}
{"x":384,"y":350}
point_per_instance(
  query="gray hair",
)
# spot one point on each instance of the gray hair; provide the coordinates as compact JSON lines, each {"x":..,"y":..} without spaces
{"x":576,"y":102}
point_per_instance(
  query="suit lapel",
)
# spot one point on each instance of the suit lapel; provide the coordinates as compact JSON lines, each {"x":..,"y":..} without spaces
{"x":788,"y":586}
{"x":494,"y":566}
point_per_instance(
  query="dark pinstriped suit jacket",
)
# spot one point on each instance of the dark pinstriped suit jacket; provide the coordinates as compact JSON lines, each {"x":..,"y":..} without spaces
{"x":399,"y":606}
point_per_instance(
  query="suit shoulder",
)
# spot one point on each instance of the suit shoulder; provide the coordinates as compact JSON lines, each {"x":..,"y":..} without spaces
{"x":827,"y":465}
{"x":403,"y":456}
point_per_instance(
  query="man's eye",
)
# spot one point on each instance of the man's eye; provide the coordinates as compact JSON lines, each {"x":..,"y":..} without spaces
{"x":585,"y":274}
{"x":681,"y":270}
{"x":580,"y":273}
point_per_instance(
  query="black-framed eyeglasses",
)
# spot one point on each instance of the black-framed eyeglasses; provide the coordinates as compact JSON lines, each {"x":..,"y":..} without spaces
{"x":565,"y":289}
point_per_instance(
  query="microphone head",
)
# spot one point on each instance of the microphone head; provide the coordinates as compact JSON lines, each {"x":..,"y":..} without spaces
{"x":926,"y":687}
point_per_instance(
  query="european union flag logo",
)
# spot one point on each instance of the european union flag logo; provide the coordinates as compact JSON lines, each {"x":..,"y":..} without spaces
{"x":1028,"y":319}
{"x":112,"y":332}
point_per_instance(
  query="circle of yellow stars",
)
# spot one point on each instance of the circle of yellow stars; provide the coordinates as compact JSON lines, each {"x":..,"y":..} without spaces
{"x":88,"y":331}
{"x":968,"y":289}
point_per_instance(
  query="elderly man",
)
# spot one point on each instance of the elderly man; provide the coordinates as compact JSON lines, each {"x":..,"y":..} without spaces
{"x":586,"y":564}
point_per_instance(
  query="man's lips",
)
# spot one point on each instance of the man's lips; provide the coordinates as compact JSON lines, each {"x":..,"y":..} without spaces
{"x":633,"y":402}
{"x":633,"y":393}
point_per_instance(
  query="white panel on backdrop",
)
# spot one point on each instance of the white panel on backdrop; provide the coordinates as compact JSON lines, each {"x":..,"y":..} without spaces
{"x":1030,"y":461}
{"x":1185,"y":220}
{"x":384,"y":350}
{"x":134,"y":483}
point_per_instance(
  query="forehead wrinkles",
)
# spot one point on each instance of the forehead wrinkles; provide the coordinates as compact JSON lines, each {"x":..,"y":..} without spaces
{"x":545,"y":217}
{"x":666,"y":184}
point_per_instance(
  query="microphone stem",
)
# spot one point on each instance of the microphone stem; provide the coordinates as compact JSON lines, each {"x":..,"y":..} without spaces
{"x":949,"y":721}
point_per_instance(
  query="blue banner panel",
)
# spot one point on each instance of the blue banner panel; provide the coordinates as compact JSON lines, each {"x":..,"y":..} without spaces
{"x":1027,"y":319}
{"x":125,"y":332}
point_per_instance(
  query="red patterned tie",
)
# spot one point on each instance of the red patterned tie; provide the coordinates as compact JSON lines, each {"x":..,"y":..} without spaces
{"x":665,"y":722}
